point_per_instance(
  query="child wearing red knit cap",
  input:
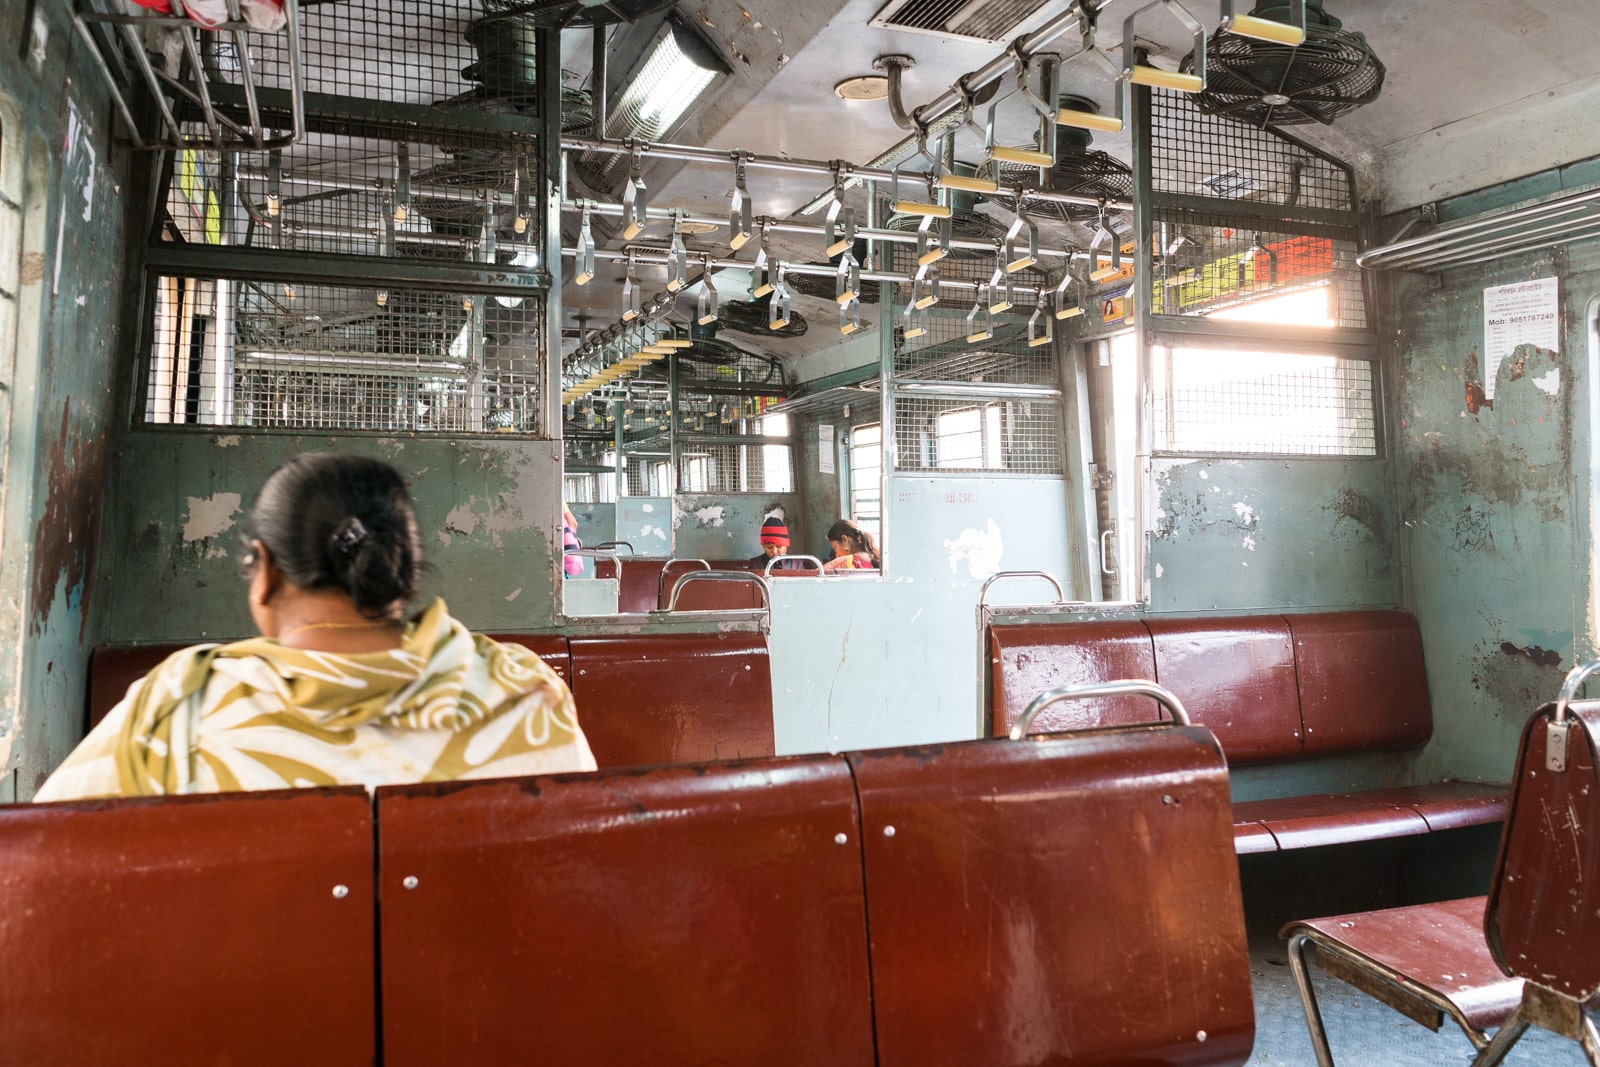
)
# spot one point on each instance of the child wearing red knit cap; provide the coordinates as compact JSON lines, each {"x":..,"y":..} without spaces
{"x":774,"y":543}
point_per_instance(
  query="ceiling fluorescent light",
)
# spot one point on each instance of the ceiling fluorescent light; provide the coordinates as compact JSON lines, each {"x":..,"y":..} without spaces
{"x":668,"y":83}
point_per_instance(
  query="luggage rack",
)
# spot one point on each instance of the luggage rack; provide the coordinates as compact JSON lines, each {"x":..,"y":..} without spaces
{"x":198,"y":75}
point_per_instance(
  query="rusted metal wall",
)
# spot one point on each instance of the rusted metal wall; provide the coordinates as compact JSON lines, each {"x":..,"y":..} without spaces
{"x":1494,"y":502}
{"x":1241,"y":534}
{"x":488,"y":510}
{"x":73,"y":187}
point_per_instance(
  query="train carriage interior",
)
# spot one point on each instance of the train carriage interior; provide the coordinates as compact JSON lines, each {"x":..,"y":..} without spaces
{"x":1213,"y":391}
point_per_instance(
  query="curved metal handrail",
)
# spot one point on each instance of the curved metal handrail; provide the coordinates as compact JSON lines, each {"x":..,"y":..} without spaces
{"x":1128,"y":687}
{"x":1569,"y":687}
{"x":618,"y":544}
{"x":596,"y":553}
{"x":709,"y":575}
{"x":767,"y":570}
{"x":1046,"y":575}
{"x":666,"y":570}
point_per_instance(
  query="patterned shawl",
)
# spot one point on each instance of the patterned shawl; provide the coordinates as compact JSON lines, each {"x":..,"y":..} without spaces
{"x":256,"y":715}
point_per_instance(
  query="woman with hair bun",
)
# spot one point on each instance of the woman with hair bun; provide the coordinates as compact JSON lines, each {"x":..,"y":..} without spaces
{"x":853,"y":549}
{"x":339,"y":689}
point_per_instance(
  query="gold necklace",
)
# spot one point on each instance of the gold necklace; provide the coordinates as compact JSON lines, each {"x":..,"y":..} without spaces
{"x":337,"y":626}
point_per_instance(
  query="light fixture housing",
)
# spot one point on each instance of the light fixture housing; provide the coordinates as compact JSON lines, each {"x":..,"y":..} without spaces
{"x":676,"y":70}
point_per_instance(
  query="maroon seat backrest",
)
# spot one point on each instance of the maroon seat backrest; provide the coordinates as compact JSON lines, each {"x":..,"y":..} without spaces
{"x":1541,"y":920}
{"x":716,"y":595}
{"x":112,"y":669}
{"x":1060,"y":900}
{"x":230,"y":929}
{"x":1237,"y":676}
{"x":640,"y":586}
{"x":673,"y":698}
{"x":680,"y":915}
{"x":1362,"y":683}
{"x":552,"y":648}
{"x":1028,"y":659}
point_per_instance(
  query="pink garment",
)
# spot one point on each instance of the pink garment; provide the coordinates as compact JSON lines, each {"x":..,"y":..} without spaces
{"x":209,"y":14}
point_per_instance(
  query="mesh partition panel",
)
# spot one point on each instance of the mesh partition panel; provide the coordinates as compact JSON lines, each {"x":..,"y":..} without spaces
{"x":1214,"y":401}
{"x":944,"y":354}
{"x":968,"y":433}
{"x":1221,"y":270}
{"x":415,"y":51}
{"x":1242,"y":214}
{"x":269,"y":355}
{"x":1205,"y":155}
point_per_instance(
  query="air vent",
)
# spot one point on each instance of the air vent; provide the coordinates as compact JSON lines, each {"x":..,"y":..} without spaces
{"x":991,"y":21}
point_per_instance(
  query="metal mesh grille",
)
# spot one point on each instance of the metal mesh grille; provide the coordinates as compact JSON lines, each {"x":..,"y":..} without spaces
{"x":1204,"y":155}
{"x":249,"y":354}
{"x":943,"y":354}
{"x":1241,"y":215}
{"x":1213,"y":401}
{"x":1004,"y":436}
{"x":725,"y":468}
{"x":415,"y":51}
{"x":1214,"y":269}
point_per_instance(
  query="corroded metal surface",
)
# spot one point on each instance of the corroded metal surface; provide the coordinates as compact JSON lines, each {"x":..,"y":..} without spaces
{"x":231,"y":929}
{"x":701,"y":914}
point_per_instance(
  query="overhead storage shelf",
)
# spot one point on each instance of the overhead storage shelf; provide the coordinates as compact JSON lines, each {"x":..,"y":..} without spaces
{"x":1458,"y":244}
{"x":196,"y":63}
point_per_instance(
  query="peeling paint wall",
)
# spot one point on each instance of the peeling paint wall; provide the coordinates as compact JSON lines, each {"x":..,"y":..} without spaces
{"x":1245,"y":534}
{"x":1494,"y":490}
{"x":65,"y":171}
{"x":487,"y":510}
{"x":728,"y":526}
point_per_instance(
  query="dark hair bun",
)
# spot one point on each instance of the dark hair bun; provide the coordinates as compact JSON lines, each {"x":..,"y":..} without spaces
{"x":345,"y":522}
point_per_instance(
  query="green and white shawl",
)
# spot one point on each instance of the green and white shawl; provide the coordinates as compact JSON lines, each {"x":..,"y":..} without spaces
{"x":255,"y":715}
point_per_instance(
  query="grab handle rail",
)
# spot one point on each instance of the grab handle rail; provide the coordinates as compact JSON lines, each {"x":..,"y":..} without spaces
{"x":1126,"y":687}
{"x":1046,"y":575}
{"x":666,"y":571}
{"x":618,"y":544}
{"x":709,"y":575}
{"x":775,"y":560}
{"x":596,"y":553}
{"x":1555,"y":734}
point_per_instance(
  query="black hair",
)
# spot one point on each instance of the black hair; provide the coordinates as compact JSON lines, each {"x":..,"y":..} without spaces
{"x":857,"y":538}
{"x":340,"y":522}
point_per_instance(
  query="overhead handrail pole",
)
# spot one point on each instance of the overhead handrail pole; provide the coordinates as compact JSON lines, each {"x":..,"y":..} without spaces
{"x":1128,"y":687}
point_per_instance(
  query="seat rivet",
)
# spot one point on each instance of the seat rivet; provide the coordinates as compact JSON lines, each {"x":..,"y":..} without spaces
{"x":409,"y":881}
{"x":888,"y":831}
{"x":840,"y":839}
{"x":340,"y":892}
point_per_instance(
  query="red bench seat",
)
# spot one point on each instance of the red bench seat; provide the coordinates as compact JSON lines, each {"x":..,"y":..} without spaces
{"x":1273,"y":688}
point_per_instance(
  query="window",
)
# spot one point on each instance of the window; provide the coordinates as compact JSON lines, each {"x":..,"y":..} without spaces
{"x":866,"y":478}
{"x":777,"y":469}
{"x":968,"y":437}
{"x":1215,"y":400}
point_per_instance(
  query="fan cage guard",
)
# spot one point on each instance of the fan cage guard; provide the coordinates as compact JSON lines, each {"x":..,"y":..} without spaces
{"x":1332,"y":73}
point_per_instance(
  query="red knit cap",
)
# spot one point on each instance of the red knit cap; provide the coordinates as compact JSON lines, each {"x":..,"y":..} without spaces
{"x":774,"y":532}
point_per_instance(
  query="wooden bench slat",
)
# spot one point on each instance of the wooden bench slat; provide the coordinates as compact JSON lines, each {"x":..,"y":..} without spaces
{"x":1362,"y":684}
{"x":1027,"y":660}
{"x":1236,"y":675}
{"x":1330,"y":819}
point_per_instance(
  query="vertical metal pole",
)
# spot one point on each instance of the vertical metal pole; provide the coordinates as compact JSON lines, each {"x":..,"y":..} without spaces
{"x":888,"y":450}
{"x":674,"y":438}
{"x":1137,"y":585}
{"x":226,"y":293}
{"x":597,"y":83}
{"x":547,"y":239}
